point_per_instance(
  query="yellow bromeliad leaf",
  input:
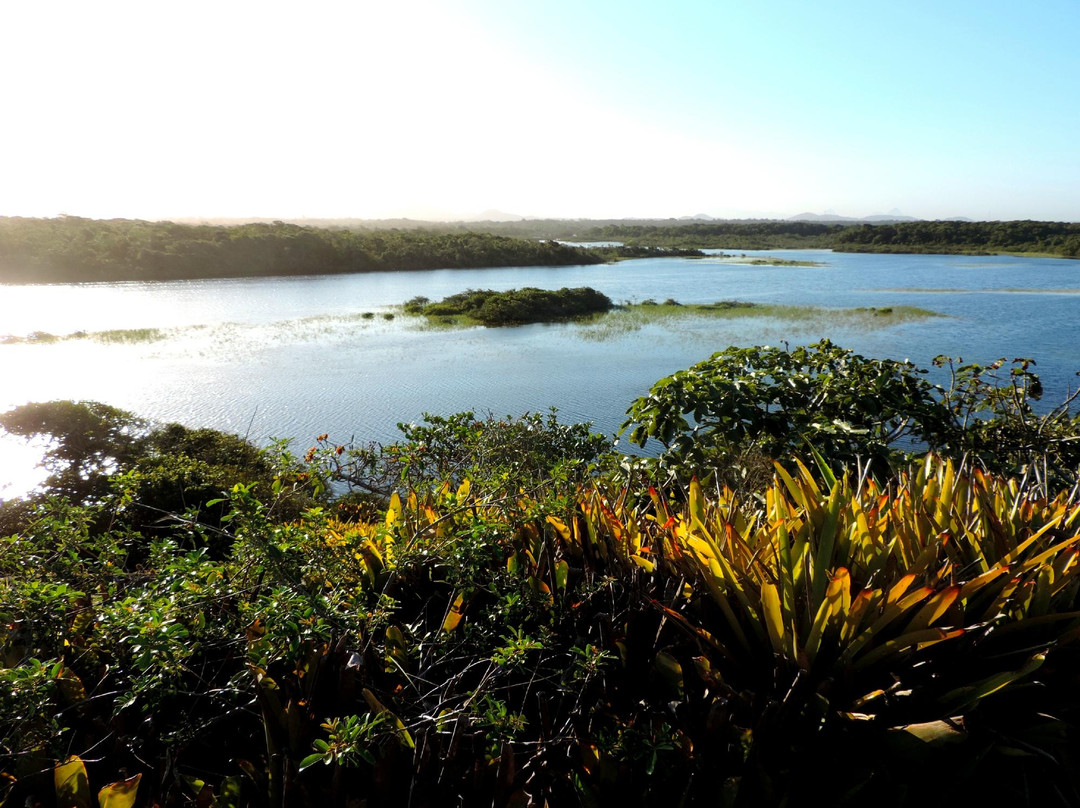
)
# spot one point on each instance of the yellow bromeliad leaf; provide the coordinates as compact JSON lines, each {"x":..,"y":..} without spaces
{"x":774,"y":618}
{"x":890,"y":613}
{"x":455,"y":613}
{"x":837,"y":600}
{"x":562,"y":573}
{"x":912,"y":641}
{"x":977,"y":583}
{"x":1024,"y":545}
{"x":71,"y":784}
{"x":120,"y":794}
{"x":697,"y":502}
{"x":900,"y":588}
{"x":963,"y":697}
{"x":560,"y":527}
{"x":381,"y":709}
{"x":393,"y":511}
{"x":670,"y":671}
{"x":932,"y":611}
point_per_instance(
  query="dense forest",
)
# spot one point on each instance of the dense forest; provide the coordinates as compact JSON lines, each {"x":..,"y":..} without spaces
{"x":1046,"y":238}
{"x":720,"y":235}
{"x":784,"y":607}
{"x":68,"y":249}
{"x":1049,"y":238}
{"x":72,"y":249}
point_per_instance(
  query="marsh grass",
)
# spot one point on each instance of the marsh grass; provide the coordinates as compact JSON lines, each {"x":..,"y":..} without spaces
{"x":34,"y":337}
{"x":114,"y":336}
{"x":638,"y":315}
{"x":125,"y":335}
{"x":771,"y":262}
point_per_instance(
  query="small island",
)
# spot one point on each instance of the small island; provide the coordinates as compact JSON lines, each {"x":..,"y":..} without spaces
{"x":512,"y":307}
{"x":769,"y":262}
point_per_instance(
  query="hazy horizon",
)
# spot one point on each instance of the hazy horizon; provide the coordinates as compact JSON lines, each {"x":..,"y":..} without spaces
{"x":604,"y":110}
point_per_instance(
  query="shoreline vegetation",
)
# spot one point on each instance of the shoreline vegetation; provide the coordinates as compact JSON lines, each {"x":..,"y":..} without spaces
{"x":788,"y":603}
{"x":70,"y":249}
{"x":1043,"y":239}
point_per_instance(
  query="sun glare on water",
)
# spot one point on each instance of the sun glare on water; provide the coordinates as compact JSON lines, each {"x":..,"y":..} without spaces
{"x":19,"y":469}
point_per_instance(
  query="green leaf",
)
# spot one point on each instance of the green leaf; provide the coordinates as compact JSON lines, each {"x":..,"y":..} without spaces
{"x":311,"y":760}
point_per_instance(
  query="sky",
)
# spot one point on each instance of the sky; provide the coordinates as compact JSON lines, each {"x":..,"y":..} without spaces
{"x":584,"y":109}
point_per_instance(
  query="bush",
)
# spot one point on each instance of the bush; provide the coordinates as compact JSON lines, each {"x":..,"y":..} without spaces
{"x":745,"y":402}
{"x":499,"y":456}
{"x":516,"y":306}
{"x":773,"y":401}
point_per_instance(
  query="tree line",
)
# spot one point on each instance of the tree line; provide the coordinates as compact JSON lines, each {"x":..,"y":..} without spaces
{"x":1053,"y":238}
{"x":73,"y":249}
{"x":1049,"y":238}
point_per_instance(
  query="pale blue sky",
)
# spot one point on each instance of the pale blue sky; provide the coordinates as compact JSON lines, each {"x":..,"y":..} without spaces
{"x":583,"y":109}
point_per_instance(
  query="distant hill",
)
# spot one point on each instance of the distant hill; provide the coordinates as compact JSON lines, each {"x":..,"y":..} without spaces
{"x":833,"y":218}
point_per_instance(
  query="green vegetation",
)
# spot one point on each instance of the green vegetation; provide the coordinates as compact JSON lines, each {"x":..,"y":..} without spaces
{"x":123,"y":335}
{"x":512,"y":307}
{"x":779,"y":262}
{"x":625,"y":251}
{"x":71,"y":249}
{"x":1042,"y":238}
{"x":505,"y":611}
{"x":723,"y":235}
{"x":633,"y":317}
{"x":1060,"y":239}
{"x":529,"y":305}
{"x":773,"y":402}
{"x":111,"y":336}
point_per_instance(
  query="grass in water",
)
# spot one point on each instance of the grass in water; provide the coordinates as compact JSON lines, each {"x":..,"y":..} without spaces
{"x":126,"y":335}
{"x":772,"y":262}
{"x":636,"y":316}
{"x":34,"y":337}
{"x":114,"y":336}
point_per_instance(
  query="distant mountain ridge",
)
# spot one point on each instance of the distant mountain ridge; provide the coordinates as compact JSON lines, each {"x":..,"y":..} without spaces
{"x":893,"y":217}
{"x":877,"y":218}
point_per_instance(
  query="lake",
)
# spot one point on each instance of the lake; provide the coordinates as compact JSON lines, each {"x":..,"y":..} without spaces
{"x":296,"y":357}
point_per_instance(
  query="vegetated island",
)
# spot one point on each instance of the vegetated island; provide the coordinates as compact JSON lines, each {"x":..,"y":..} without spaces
{"x":530,"y":305}
{"x":768,"y":262}
{"x":512,"y":307}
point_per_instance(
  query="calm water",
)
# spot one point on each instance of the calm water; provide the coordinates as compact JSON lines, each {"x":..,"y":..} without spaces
{"x":293,"y":357}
